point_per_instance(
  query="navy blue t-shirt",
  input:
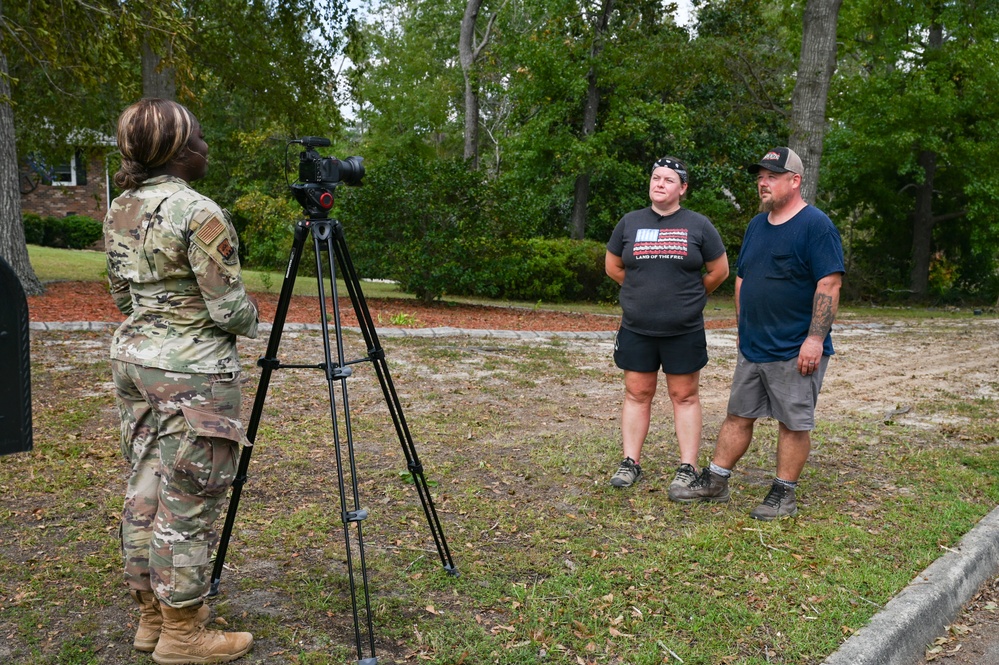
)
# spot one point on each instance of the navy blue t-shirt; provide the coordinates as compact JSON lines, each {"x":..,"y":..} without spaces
{"x":663,"y":292}
{"x":780,"y":266}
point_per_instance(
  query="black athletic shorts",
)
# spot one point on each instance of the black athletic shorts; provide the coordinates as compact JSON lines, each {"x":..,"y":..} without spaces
{"x":678,"y":354}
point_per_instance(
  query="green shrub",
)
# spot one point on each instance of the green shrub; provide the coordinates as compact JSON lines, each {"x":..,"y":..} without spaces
{"x":80,"y":231}
{"x":423,"y":224}
{"x":34,"y":228}
{"x":554,"y":270}
{"x":54,"y":236}
{"x":267,"y":229}
{"x":70,"y":232}
{"x":452,"y":232}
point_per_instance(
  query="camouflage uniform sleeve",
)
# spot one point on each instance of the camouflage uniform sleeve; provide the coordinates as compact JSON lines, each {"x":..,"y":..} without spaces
{"x":119,"y":291}
{"x":213,"y":253}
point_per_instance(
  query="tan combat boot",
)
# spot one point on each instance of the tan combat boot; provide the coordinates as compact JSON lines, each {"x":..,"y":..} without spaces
{"x":150,"y":620}
{"x":184,"y":640}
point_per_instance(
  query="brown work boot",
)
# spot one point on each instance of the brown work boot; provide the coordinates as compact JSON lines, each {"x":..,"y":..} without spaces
{"x":151,"y":621}
{"x":780,"y":502}
{"x":184,"y":640}
{"x":706,"y":487}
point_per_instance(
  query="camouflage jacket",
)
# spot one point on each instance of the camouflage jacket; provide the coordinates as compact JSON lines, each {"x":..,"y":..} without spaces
{"x":174,"y":271}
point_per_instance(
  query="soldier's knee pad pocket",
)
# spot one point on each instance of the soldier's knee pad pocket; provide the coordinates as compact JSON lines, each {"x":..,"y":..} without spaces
{"x":206,"y":460}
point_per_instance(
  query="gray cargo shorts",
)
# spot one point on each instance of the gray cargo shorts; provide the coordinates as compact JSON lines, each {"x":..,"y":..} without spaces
{"x":778,"y":390}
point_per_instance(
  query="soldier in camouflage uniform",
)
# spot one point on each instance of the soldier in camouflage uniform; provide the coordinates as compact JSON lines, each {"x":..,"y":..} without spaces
{"x":174,"y":271}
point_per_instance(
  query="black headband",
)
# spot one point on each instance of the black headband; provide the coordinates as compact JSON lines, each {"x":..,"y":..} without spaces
{"x":672,"y":164}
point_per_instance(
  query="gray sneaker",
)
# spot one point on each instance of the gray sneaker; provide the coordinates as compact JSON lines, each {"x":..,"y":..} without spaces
{"x":685,"y":475}
{"x":780,"y":502}
{"x":706,"y":487}
{"x":627,"y":474}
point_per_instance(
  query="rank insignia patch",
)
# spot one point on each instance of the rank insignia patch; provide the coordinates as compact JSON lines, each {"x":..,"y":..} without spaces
{"x":227,"y":251}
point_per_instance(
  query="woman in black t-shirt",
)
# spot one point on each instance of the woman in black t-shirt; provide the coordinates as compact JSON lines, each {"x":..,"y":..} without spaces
{"x":667,"y":260}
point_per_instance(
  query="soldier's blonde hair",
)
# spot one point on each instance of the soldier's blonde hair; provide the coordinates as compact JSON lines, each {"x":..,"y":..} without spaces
{"x":151,"y":132}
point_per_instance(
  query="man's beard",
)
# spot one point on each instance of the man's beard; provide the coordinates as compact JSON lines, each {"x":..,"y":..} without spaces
{"x":775,"y":203}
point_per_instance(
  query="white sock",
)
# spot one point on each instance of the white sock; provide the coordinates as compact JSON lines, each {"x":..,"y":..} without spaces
{"x":718,"y":471}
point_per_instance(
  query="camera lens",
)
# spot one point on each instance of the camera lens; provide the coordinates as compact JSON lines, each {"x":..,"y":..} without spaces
{"x":352,"y":170}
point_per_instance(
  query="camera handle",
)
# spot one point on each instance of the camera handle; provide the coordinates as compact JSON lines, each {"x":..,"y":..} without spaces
{"x":327,"y":236}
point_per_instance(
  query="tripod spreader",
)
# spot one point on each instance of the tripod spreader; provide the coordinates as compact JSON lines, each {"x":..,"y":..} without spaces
{"x":338,"y":372}
{"x":355,"y":515}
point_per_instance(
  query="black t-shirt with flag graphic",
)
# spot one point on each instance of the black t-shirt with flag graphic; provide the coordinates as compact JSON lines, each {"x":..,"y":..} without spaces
{"x":663,"y":292}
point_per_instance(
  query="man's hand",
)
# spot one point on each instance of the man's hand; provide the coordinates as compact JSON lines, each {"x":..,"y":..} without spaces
{"x":810,"y":355}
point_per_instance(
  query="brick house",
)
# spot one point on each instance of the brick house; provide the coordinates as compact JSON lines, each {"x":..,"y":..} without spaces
{"x":79,"y":186}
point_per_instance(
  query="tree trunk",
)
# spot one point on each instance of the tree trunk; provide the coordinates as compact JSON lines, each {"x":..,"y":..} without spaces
{"x":808,"y":102}
{"x":581,"y":192}
{"x":467,"y":53}
{"x":12,"y":244}
{"x":922,"y":219}
{"x":922,"y":228}
{"x":158,"y":80}
{"x":581,"y":195}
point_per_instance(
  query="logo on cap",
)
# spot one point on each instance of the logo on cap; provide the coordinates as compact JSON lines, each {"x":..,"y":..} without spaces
{"x":779,"y":160}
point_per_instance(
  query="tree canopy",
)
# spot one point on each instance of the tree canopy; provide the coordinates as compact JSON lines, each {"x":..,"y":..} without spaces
{"x":572,"y":102}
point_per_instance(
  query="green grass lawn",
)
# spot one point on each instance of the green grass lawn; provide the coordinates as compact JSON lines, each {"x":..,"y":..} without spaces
{"x":54,"y":265}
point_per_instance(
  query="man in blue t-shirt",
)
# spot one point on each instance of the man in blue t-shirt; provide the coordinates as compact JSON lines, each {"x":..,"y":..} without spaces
{"x":787,"y":285}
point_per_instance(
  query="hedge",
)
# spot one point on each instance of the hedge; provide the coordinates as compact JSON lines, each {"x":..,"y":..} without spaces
{"x":70,"y":232}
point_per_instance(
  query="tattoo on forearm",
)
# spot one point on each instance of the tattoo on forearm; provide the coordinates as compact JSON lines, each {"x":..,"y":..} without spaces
{"x":823,"y":314}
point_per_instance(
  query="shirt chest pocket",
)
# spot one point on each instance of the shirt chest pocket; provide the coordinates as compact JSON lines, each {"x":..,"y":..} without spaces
{"x":784,"y":266}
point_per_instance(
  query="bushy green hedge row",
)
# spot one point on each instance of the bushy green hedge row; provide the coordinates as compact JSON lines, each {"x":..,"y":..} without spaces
{"x":439,"y":229}
{"x":70,"y":232}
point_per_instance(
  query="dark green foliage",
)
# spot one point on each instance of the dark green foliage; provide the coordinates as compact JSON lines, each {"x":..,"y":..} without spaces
{"x":80,"y":231}
{"x":71,"y":232}
{"x":34,"y":228}
{"x":427,"y":225}
{"x":915,"y":122}
{"x":717,"y":95}
{"x":439,"y":228}
{"x":556,"y":270}
{"x":265,"y":225}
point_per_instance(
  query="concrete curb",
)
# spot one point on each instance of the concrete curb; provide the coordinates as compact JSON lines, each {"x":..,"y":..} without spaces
{"x":265,"y":328}
{"x":900,"y":632}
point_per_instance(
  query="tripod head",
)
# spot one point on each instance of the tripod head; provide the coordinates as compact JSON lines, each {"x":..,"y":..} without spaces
{"x":318,"y":176}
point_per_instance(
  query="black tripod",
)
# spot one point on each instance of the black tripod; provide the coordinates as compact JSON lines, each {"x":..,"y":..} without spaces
{"x":327,"y":236}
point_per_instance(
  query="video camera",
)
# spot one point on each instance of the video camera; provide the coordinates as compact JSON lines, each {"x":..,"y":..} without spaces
{"x":319,"y":176}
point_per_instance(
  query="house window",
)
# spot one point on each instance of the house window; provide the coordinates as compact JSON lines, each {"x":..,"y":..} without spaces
{"x":64,"y":174}
{"x":70,"y":174}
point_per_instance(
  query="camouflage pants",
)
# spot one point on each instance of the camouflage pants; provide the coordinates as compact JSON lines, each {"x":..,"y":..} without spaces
{"x":180,"y":433}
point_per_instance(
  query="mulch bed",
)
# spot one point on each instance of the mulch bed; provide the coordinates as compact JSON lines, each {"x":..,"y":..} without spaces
{"x":89,"y":301}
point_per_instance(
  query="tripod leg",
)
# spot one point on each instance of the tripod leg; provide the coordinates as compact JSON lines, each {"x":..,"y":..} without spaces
{"x":338,"y":372}
{"x":377,"y":355}
{"x":267,"y":364}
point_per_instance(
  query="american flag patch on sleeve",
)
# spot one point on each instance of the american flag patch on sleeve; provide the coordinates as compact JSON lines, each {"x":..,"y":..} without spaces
{"x":210,"y":230}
